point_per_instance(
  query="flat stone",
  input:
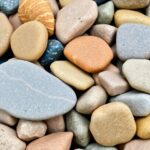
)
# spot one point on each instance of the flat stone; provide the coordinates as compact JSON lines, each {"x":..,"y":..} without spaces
{"x":123,"y":16}
{"x":60,"y":140}
{"x":131,"y":4}
{"x":79,"y":125}
{"x":71,"y":75}
{"x":138,"y":102}
{"x":137,"y":72}
{"x":9,"y":139}
{"x":100,"y":1}
{"x":30,"y":130}
{"x":130,"y":41}
{"x":64,"y":2}
{"x":90,"y":53}
{"x":74,"y":19}
{"x":53,"y":52}
{"x":54,"y":6}
{"x":91,"y":99}
{"x":41,"y":95}
{"x":112,"y":119}
{"x":106,"y":13}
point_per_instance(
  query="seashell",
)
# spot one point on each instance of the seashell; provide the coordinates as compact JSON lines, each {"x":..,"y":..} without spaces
{"x":39,"y":10}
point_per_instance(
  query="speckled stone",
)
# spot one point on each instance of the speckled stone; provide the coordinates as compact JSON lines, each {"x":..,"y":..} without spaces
{"x":79,"y":125}
{"x":52,"y":53}
{"x":130,"y":41}
{"x":9,"y":6}
{"x":41,"y":95}
{"x":100,"y":1}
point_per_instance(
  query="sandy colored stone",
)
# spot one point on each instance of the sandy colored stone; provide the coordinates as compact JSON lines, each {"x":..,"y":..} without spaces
{"x":56,"y":124}
{"x":75,"y":19}
{"x":7,"y":119}
{"x":90,"y":53}
{"x":15,"y":21}
{"x":91,"y":99}
{"x":112,"y":119}
{"x":64,"y":2}
{"x":29,"y":41}
{"x":30,"y":130}
{"x":59,"y":141}
{"x":6,"y":30}
{"x":130,"y":16}
{"x":54,"y":6}
{"x":72,"y":75}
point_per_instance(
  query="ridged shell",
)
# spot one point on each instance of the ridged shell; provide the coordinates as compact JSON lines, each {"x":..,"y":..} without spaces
{"x":39,"y":10}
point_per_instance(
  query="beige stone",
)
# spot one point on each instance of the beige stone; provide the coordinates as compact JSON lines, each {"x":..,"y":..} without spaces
{"x":112,"y":124}
{"x":56,"y":124}
{"x":72,"y":75}
{"x":54,"y":6}
{"x":64,"y":2}
{"x":30,"y":130}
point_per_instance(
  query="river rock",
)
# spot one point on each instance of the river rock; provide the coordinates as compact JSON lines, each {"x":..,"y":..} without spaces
{"x":64,"y":2}
{"x":54,"y":6}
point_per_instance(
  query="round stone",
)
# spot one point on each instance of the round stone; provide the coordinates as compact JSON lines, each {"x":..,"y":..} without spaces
{"x":112,"y":119}
{"x":29,"y":41}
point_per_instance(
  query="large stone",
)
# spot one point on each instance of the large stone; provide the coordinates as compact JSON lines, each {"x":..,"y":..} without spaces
{"x":41,"y":95}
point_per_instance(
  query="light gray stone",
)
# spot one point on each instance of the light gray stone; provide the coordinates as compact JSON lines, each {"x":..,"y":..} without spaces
{"x":148,"y":11}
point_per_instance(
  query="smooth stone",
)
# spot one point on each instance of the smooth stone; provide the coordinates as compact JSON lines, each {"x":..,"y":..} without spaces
{"x":106,"y":13}
{"x":95,"y":146}
{"x":59,"y":141}
{"x":143,"y":130}
{"x":6,"y":30}
{"x":112,"y":119}
{"x":9,"y":139}
{"x":123,"y":16}
{"x":41,"y":95}
{"x":130,"y":41}
{"x":137,"y":72}
{"x":53,"y":52}
{"x":71,"y":75}
{"x":100,"y":1}
{"x":56,"y":124}
{"x":54,"y":6}
{"x":113,"y":82}
{"x":64,"y":2}
{"x":5,"y":118}
{"x":91,"y":99}
{"x":9,"y":7}
{"x":138,"y":102}
{"x":137,"y":144}
{"x":73,"y":20}
{"x":148,"y":11}
{"x":90,"y":53}
{"x":30,"y":130}
{"x":79,"y":125}
{"x":29,"y":41}
{"x":131,"y":4}
{"x":104,"y":31}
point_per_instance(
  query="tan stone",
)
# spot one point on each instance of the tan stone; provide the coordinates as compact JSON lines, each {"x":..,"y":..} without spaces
{"x":64,"y":2}
{"x":54,"y":6}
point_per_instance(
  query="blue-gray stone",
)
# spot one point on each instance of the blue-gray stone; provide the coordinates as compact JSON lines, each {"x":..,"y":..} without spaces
{"x":101,"y":1}
{"x":52,"y":53}
{"x":29,"y":92}
{"x":133,"y":42}
{"x":9,"y":6}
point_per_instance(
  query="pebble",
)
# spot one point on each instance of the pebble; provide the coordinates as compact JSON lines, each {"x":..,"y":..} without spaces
{"x":59,"y":141}
{"x":130,"y":41}
{"x":78,"y":19}
{"x":113,"y":82}
{"x":71,"y":75}
{"x":148,"y":11}
{"x":53,"y":52}
{"x":64,"y":2}
{"x":56,"y":124}
{"x":106,"y":13}
{"x":138,"y":102}
{"x":9,"y":139}
{"x":90,"y":53}
{"x":30,"y":130}
{"x":137,"y":72}
{"x":51,"y":96}
{"x":29,"y":41}
{"x":112,"y":119}
{"x":130,"y":16}
{"x":9,"y":7}
{"x":6,"y":30}
{"x":54,"y":6}
{"x":28,"y":12}
{"x":101,"y":1}
{"x":143,"y":130}
{"x":79,"y":125}
{"x":91,"y":99}
{"x":95,"y":146}
{"x":7,"y":119}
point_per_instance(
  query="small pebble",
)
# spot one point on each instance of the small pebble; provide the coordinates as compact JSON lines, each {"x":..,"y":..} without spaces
{"x":54,"y":6}
{"x":64,"y":2}
{"x":148,"y":11}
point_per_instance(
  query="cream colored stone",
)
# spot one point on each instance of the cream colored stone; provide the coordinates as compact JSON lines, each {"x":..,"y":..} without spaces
{"x":54,"y":6}
{"x":64,"y":2}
